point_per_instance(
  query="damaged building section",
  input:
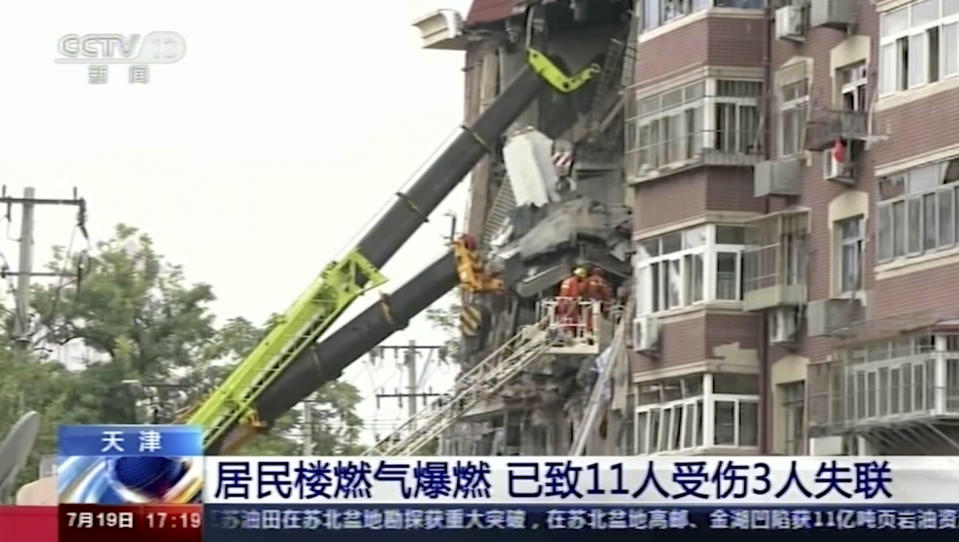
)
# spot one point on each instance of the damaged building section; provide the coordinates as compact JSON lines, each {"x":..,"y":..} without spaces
{"x":549,"y":199}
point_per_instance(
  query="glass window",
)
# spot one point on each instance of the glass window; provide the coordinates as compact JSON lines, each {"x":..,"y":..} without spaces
{"x":672,"y":390}
{"x":642,"y":422}
{"x":914,"y":229}
{"x":925,"y":178}
{"x":737,"y":384}
{"x":860,"y":395}
{"x":650,"y":248}
{"x":726,"y":275}
{"x":850,"y":258}
{"x":899,"y":228}
{"x":946,"y":218}
{"x":895,"y":21}
{"x":651,"y":14}
{"x":887,"y":83}
{"x":725,"y":426}
{"x":730,"y":235}
{"x":654,"y":430}
{"x":694,"y":237}
{"x":871,"y":394}
{"x":906,"y":389}
{"x":673,"y":284}
{"x":885,"y":233}
{"x":925,"y":12}
{"x":699,"y":422}
{"x":694,"y":278}
{"x":929,"y":227}
{"x":748,"y":423}
{"x":918,"y":384}
{"x":883,"y":391}
{"x":672,"y":242}
{"x":689,"y":420}
{"x":932,"y":44}
{"x":917,"y":60}
{"x":693,"y":386}
{"x":950,"y":7}
{"x":895,"y":391}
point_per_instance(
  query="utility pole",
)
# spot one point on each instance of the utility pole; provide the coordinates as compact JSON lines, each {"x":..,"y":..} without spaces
{"x":410,"y":352}
{"x":411,"y":384}
{"x":25,"y":266}
{"x":29,"y":201}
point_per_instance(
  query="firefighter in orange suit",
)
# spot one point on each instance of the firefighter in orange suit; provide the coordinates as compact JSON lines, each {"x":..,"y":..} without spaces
{"x":571,"y":291}
{"x":598,"y":290}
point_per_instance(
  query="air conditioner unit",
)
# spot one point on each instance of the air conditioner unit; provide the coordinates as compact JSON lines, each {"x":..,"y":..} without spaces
{"x":783,"y":322}
{"x":834,"y":170}
{"x":645,"y":334}
{"x":789,"y":23}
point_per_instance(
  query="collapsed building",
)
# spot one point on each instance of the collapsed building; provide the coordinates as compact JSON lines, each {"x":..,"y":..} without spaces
{"x":547,"y":199}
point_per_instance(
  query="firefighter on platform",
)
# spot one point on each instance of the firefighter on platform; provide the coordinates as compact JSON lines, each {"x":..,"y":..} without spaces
{"x":597,"y":290}
{"x":571,"y":291}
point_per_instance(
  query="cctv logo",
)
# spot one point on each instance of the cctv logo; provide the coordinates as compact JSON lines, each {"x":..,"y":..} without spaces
{"x":154,"y":48}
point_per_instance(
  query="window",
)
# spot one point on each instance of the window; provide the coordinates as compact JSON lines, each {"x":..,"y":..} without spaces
{"x":658,"y":12}
{"x":792,"y":114}
{"x":849,"y":243}
{"x":776,"y":252}
{"x":672,"y":269}
{"x":736,"y":422}
{"x":920,"y":215}
{"x":853,"y":87}
{"x":918,"y":45}
{"x":671,"y":413}
{"x":690,"y":122}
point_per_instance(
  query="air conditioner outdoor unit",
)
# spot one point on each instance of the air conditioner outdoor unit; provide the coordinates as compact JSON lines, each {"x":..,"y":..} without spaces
{"x":783,"y":322}
{"x":834,"y":170}
{"x":645,"y":333}
{"x":789,"y":23}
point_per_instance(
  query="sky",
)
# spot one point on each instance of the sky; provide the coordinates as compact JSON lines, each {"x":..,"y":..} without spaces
{"x":254,"y":160}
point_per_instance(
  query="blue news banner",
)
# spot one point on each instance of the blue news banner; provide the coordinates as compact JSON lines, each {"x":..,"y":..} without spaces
{"x":553,"y":499}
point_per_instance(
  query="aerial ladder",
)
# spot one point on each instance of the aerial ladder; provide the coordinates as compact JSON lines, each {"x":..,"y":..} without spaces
{"x":286,"y":366}
{"x":482,"y":382}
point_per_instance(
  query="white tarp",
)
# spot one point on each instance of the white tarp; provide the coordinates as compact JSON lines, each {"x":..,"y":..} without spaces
{"x":528,"y":156}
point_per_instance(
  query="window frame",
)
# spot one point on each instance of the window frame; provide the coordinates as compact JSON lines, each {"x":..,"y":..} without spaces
{"x":798,"y":105}
{"x":913,"y":34}
{"x":654,"y":285}
{"x":689,"y":7}
{"x":915,"y":200}
{"x":706,"y":135}
{"x":696,"y":409}
{"x":841,"y":243}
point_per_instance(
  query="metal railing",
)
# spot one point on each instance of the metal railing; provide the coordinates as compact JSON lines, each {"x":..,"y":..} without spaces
{"x":575,"y":318}
{"x":875,"y":393}
{"x":703,"y":147}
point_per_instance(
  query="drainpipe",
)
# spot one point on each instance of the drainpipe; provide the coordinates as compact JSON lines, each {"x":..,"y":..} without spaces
{"x":763,"y":348}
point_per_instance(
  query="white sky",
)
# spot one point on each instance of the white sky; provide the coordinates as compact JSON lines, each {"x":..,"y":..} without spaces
{"x":254,"y":159}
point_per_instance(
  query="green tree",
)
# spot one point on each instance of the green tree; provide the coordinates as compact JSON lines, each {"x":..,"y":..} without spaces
{"x":139,"y":320}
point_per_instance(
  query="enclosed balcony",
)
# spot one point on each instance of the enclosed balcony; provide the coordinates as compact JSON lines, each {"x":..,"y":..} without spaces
{"x":663,"y":156}
{"x":900,"y":394}
{"x":710,"y":122}
{"x":774,"y":261}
